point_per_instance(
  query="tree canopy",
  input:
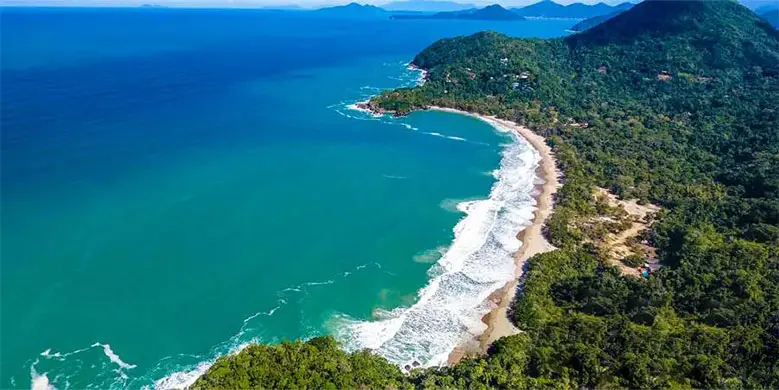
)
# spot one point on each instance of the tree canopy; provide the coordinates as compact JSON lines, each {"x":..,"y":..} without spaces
{"x":671,"y":102}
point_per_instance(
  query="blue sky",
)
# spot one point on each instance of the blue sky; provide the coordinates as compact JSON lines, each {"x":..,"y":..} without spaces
{"x":254,"y":3}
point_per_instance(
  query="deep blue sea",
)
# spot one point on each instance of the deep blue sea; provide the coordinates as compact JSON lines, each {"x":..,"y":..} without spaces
{"x":177,"y":183}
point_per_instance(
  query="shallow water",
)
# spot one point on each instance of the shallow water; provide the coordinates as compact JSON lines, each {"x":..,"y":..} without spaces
{"x":177,"y":183}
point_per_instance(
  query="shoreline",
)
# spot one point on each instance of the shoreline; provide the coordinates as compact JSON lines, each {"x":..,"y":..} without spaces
{"x":422,"y":73}
{"x":532,"y":238}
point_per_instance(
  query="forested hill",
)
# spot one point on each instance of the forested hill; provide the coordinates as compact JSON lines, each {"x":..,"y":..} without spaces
{"x":594,"y":21}
{"x":772,"y":17}
{"x":671,"y":102}
{"x":491,"y":12}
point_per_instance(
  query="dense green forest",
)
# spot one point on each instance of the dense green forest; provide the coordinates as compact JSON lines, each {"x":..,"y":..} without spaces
{"x":594,"y":21}
{"x":672,"y":102}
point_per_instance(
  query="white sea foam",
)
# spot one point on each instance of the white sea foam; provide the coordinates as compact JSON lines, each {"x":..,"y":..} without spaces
{"x":422,"y":77}
{"x":413,"y":76}
{"x":318,"y":283}
{"x":164,"y":375}
{"x":479,"y":261}
{"x":448,"y":309}
{"x":456,"y":205}
{"x":39,"y":381}
{"x":451,"y":137}
{"x":187,"y":375}
{"x":61,"y":364}
{"x":356,"y":107}
{"x":269,"y":312}
{"x":394,"y":177}
{"x":430,"y":255}
{"x":59,"y":355}
{"x":113,"y":357}
{"x":184,"y":379}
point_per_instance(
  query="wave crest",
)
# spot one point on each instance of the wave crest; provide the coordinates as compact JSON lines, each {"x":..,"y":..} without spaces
{"x":479,"y":261}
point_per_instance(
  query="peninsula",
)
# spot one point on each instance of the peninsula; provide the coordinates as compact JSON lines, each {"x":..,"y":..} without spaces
{"x":668,"y":108}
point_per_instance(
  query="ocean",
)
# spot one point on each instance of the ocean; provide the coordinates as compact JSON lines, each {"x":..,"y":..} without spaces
{"x":177,"y":183}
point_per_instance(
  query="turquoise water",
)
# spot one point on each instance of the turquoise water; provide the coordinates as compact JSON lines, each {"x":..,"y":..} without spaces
{"x":177,"y":183}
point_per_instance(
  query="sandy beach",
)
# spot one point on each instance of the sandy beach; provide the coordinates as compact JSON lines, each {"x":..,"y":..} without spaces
{"x":533,"y":241}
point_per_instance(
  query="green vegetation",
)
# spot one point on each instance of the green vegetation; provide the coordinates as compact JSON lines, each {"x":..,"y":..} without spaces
{"x":550,"y":9}
{"x":587,"y":24}
{"x":633,"y":261}
{"x":673,"y":103}
{"x":317,"y":364}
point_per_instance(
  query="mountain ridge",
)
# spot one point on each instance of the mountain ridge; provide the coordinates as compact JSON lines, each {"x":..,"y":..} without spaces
{"x":594,"y":21}
{"x":550,"y":9}
{"x":426,"y":6}
{"x":772,"y":17}
{"x":352,"y":10}
{"x":672,"y":103}
{"x":702,"y":18}
{"x":491,"y":12}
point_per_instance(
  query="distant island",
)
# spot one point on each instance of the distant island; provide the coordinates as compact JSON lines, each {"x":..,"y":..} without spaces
{"x":769,"y":13}
{"x":284,"y":7}
{"x":767,"y":10}
{"x":428,"y":9}
{"x":670,"y":106}
{"x":587,"y":24}
{"x":550,"y":9}
{"x":492,"y":12}
{"x":426,"y":6}
{"x":772,"y":17}
{"x":353,"y":10}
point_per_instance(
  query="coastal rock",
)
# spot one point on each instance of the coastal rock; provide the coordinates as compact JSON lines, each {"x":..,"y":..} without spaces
{"x":376,"y":109}
{"x":372,"y":107}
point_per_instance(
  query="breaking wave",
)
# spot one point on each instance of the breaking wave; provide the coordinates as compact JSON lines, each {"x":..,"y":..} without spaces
{"x":430,"y":255}
{"x":114,"y":370}
{"x":103,"y":368}
{"x":479,"y":261}
{"x":447,"y":310}
{"x":187,"y":375}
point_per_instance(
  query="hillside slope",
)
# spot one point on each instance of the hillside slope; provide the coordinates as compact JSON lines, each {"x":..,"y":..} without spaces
{"x":550,"y":9}
{"x":589,"y":23}
{"x":491,"y":12}
{"x":772,"y":17}
{"x":352,"y":10}
{"x":672,"y":103}
{"x":426,"y":6}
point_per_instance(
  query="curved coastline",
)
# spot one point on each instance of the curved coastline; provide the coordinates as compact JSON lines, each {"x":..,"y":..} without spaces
{"x":479,"y":261}
{"x":495,"y":323}
{"x":533,"y":241}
